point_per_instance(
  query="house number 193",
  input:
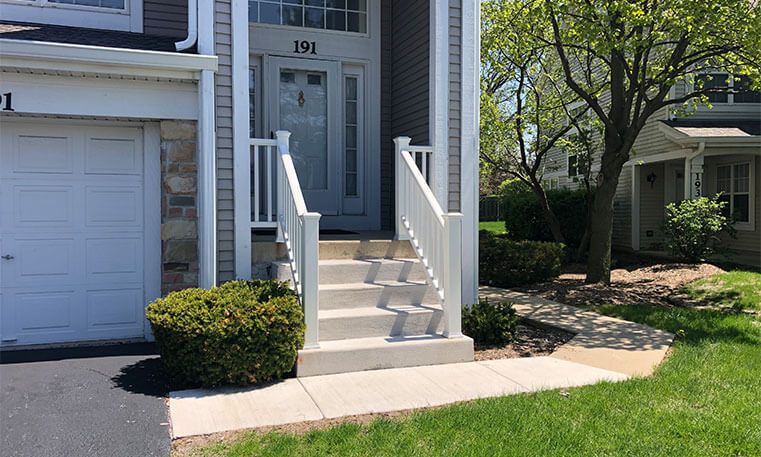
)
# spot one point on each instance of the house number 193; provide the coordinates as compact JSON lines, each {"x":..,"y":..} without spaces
{"x":304,"y":47}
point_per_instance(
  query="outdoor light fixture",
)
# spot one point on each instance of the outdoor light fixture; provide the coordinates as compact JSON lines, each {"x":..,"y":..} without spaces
{"x":651,"y":179}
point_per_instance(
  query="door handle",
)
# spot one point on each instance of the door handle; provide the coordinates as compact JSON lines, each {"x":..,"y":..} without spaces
{"x":8,"y":257}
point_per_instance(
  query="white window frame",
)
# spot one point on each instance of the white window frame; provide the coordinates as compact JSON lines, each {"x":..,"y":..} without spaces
{"x":750,"y":225}
{"x":366,"y":33}
{"x":129,"y":18}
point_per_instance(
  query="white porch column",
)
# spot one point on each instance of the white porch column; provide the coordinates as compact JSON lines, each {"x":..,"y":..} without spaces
{"x":207,"y":157}
{"x":469,"y":143}
{"x":438,"y":76}
{"x":696,"y":177}
{"x":241,"y":139}
{"x":636,"y":171}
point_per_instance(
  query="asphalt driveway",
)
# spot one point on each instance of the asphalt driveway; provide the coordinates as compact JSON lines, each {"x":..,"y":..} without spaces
{"x":105,"y":401}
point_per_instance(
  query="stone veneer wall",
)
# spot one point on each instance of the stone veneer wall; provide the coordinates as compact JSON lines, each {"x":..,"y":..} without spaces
{"x":179,"y":213}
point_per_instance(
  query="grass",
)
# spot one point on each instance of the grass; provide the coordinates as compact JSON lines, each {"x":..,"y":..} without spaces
{"x":494,"y":226}
{"x":705,"y":400}
{"x":737,"y":289}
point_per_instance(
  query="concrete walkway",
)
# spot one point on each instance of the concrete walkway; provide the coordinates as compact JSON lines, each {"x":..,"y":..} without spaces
{"x":604,"y":349}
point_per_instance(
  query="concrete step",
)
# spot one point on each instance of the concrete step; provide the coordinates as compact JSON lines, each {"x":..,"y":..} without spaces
{"x":361,"y":354}
{"x":365,"y":249}
{"x":376,"y":294}
{"x":339,"y":324}
{"x":355,"y":271}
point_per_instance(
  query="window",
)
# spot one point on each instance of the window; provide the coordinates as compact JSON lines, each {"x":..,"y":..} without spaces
{"x":737,"y":88}
{"x":252,"y":102}
{"x":115,"y":4}
{"x":551,"y":184}
{"x":351,"y":116}
{"x":576,"y":166}
{"x":341,"y":15}
{"x":733,"y":182}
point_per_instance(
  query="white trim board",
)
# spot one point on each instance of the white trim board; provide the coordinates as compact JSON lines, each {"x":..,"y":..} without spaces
{"x":103,"y":60}
{"x":439,"y":99}
{"x":100,"y":97}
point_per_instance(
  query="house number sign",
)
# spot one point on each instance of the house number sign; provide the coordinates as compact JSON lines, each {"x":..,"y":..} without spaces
{"x":6,"y":101}
{"x":304,"y":47}
{"x":698,"y":184}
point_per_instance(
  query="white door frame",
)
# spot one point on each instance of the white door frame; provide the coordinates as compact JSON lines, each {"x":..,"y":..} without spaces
{"x":151,"y":135}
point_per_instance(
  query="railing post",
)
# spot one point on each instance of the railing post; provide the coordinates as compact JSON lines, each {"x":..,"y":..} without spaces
{"x":402,"y":144}
{"x":452,"y":275}
{"x":283,"y":138}
{"x":310,"y":278}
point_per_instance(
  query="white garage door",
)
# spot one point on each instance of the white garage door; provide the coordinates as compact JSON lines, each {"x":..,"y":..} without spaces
{"x":71,"y":233}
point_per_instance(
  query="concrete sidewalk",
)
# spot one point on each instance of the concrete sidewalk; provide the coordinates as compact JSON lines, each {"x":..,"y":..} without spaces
{"x":604,"y":349}
{"x":200,"y":412}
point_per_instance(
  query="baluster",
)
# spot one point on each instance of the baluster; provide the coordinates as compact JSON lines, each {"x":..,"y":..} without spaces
{"x":268,"y":160}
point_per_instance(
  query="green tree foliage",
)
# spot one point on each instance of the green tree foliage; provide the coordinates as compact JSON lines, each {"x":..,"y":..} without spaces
{"x":623,"y":57}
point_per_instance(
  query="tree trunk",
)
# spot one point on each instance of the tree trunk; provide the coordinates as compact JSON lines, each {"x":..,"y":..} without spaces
{"x":549,"y":215}
{"x":601,"y":224}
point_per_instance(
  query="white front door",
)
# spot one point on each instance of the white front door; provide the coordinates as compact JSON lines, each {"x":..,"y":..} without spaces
{"x":305,"y":96}
{"x":71,"y":233}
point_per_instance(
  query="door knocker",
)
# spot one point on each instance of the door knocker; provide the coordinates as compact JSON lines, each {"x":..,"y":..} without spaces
{"x":301,"y":98}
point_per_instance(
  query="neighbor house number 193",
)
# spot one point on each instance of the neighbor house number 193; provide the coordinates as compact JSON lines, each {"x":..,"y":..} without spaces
{"x":304,"y":47}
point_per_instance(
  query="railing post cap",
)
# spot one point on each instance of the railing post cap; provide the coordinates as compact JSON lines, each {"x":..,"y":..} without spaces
{"x":454,"y":215}
{"x":285,"y":134}
{"x":403,"y":140}
{"x":312,"y":216}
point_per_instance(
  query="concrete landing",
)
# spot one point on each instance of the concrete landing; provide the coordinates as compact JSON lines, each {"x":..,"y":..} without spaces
{"x":201,"y":412}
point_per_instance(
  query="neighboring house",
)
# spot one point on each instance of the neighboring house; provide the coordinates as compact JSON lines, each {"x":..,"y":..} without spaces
{"x":129,"y":169}
{"x":711,"y":150}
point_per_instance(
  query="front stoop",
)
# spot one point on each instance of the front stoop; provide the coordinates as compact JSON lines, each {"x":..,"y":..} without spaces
{"x":361,"y":354}
{"x":377,"y":311}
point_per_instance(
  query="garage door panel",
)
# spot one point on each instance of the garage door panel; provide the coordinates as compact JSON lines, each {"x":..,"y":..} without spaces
{"x":40,"y":206}
{"x":114,"y":206}
{"x":113,"y":156}
{"x":44,"y":261}
{"x":43,"y":311}
{"x":43,"y":154}
{"x":117,"y":259}
{"x":114,"y":308}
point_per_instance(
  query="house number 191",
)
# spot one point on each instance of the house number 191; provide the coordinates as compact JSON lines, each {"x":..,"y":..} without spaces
{"x":304,"y":47}
{"x":6,"y":100}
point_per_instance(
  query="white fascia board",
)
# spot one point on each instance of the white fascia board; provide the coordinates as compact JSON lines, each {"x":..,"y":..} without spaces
{"x":98,"y":59}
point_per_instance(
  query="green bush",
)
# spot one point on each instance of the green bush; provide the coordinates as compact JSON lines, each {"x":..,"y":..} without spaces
{"x":490,"y":324}
{"x":238,"y":333}
{"x":507,"y":263}
{"x":692,"y":227}
{"x":524,"y":218}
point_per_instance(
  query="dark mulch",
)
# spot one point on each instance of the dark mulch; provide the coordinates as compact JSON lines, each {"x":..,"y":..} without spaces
{"x":530,"y":341}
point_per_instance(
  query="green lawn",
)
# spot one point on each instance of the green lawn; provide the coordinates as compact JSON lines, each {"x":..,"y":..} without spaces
{"x":495,"y":226}
{"x":705,"y":400}
{"x":738,"y":289}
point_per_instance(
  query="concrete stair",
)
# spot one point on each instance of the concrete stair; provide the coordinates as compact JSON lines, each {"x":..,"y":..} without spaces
{"x":376,"y":311}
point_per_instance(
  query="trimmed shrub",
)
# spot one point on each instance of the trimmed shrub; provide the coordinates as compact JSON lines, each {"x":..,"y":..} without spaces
{"x":490,"y":324}
{"x":238,"y":333}
{"x":524,"y":218}
{"x":692,"y":227}
{"x":503,"y":262}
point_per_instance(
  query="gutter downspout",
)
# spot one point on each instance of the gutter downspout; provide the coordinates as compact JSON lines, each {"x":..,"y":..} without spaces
{"x":203,"y":33}
{"x":688,"y":170}
{"x":190,"y":40}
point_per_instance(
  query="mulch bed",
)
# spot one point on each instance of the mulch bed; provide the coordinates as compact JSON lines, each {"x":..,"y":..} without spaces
{"x":639,"y":282}
{"x":530,"y":341}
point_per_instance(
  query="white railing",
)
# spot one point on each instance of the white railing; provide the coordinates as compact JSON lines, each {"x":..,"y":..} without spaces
{"x":263,"y":188}
{"x":435,"y":235}
{"x":300,"y":231}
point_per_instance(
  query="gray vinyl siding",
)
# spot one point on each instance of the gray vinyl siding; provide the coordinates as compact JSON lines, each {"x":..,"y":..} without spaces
{"x":165,"y":18}
{"x":224,"y":102}
{"x":622,"y":211}
{"x":405,"y":58}
{"x":733,"y":111}
{"x":455,"y":95}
